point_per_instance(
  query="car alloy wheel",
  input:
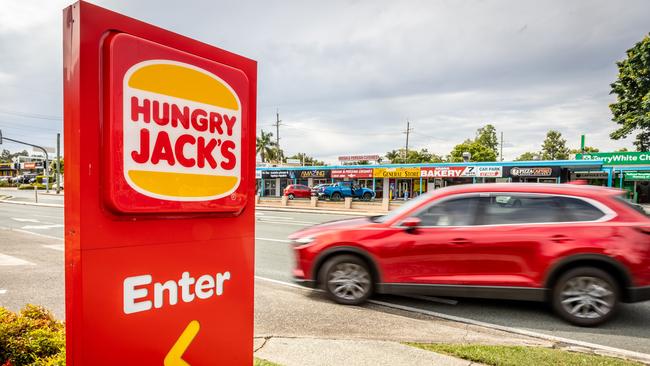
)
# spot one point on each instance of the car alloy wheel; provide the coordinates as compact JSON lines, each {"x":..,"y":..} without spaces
{"x":291,"y":196}
{"x":336,"y":196}
{"x":586,"y":296}
{"x":346,"y":280}
{"x":367,"y":196}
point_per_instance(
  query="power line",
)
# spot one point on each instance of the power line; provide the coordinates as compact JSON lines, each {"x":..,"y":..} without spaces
{"x":31,"y":115}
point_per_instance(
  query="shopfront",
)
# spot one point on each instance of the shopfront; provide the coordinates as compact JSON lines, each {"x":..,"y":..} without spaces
{"x":444,"y":176}
{"x":312,"y":177}
{"x":533,"y":174}
{"x":629,"y":169}
{"x":640,"y":182}
{"x":402,"y":182}
{"x":275,"y":181}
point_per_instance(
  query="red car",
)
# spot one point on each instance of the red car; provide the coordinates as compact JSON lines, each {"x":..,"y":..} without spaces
{"x":584,"y":249}
{"x":297,"y":191}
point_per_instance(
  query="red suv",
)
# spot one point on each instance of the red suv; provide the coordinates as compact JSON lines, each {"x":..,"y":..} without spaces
{"x":584,"y":249}
{"x":297,"y":191}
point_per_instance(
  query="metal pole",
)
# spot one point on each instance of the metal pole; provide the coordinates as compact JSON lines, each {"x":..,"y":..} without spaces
{"x":36,"y":193}
{"x":58,"y":163}
{"x":47,"y":172}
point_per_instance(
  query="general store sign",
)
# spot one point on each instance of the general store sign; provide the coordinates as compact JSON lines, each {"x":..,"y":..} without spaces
{"x":483,"y":171}
{"x":396,"y":172}
{"x":618,"y":158}
{"x":351,"y":173}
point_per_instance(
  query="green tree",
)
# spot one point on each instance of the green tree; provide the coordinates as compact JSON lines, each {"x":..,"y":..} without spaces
{"x":588,"y":149}
{"x":5,"y":156}
{"x":305,"y":159}
{"x":528,"y":156}
{"x":479,"y":151}
{"x":265,"y":146}
{"x":623,"y":149}
{"x":554,"y":147}
{"x":632,"y":88}
{"x":413,"y":156}
{"x":487,"y":136}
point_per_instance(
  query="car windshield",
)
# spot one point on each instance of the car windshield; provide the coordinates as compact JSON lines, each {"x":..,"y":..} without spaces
{"x":404,"y":208}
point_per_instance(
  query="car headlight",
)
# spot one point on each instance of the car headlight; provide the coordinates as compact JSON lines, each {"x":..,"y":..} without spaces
{"x":305,"y":240}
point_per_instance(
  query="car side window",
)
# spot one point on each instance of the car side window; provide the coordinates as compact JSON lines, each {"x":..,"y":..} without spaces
{"x":575,"y":209}
{"x":508,"y":208}
{"x":450,"y":212}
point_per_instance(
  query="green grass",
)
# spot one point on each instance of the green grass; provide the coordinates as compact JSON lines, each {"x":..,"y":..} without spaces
{"x":261,"y":362}
{"x":518,"y":355}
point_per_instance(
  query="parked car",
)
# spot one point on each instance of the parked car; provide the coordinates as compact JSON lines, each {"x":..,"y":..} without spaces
{"x":297,"y":191}
{"x":583,"y":249}
{"x":315,"y":189}
{"x":336,"y":191}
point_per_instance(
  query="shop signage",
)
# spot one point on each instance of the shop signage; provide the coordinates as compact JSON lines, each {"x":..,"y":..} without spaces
{"x":532,"y":171}
{"x":396,"y":172}
{"x":29,"y":166}
{"x":481,"y":171}
{"x":359,"y":157}
{"x":314,"y":173}
{"x":169,"y":278}
{"x":293,"y":161}
{"x":284,"y":173}
{"x":618,"y":158}
{"x":637,"y":175}
{"x":258,"y":174}
{"x":589,"y":175}
{"x":351,"y":173}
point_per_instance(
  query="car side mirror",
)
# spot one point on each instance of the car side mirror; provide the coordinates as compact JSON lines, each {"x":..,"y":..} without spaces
{"x":411,"y":223}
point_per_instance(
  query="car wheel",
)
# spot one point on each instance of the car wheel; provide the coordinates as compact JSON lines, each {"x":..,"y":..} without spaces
{"x":291,"y":196}
{"x":367,"y":196}
{"x":336,"y":196}
{"x":346,"y":280}
{"x":586,"y":296}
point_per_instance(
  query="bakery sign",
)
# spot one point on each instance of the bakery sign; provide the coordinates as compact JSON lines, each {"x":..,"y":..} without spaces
{"x":481,"y":171}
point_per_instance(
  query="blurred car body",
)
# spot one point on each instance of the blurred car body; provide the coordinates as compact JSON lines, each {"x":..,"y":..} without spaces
{"x":584,"y":249}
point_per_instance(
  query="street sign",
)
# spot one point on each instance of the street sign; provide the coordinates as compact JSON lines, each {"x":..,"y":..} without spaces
{"x":159,"y":234}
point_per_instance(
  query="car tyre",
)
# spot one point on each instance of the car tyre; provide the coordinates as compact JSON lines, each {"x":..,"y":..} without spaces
{"x":586,"y":296}
{"x":336,"y":196}
{"x":367,"y":196}
{"x":346,"y":279}
{"x":291,"y":196}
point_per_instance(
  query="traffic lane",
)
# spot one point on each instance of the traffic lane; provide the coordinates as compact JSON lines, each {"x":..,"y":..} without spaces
{"x":31,"y":272}
{"x":629,"y":330}
{"x":36,"y":219}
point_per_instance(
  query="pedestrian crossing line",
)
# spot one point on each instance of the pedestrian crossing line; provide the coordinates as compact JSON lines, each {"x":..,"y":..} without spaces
{"x":19,"y":219}
{"x":2,"y":291}
{"x":58,"y":247}
{"x":41,"y":227}
{"x":7,"y":260}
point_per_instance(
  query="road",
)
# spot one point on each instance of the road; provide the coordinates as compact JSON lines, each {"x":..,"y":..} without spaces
{"x":629,"y":330}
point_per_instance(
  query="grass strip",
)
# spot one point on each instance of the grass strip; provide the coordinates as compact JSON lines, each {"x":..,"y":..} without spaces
{"x":261,"y":362}
{"x":521,"y":355}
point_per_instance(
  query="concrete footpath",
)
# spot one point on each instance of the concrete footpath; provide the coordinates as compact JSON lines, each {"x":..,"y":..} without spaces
{"x":296,"y":326}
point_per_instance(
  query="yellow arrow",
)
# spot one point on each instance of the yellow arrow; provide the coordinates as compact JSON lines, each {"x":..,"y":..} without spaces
{"x":174,"y":357}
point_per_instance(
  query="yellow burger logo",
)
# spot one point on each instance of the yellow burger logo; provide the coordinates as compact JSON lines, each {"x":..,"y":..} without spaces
{"x":182,"y":132}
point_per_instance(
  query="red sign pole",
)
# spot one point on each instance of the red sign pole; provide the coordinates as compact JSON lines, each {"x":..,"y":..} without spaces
{"x":159,"y":208}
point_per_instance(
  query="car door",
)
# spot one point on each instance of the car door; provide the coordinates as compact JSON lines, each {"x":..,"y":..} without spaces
{"x":516,"y":232}
{"x":436,"y":251}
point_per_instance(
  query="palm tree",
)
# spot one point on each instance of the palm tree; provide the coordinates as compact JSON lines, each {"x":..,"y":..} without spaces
{"x":265,"y":145}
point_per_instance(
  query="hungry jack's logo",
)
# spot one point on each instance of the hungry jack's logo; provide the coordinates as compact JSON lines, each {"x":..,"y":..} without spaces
{"x":182,"y":132}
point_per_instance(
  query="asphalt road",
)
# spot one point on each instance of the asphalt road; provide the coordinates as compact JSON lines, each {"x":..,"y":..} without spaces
{"x":41,"y":280}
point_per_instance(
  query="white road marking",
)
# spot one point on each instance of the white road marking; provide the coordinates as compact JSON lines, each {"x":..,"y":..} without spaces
{"x":7,"y":260}
{"x":618,"y":351}
{"x":298,"y":223}
{"x":276,"y":240}
{"x":58,"y":247}
{"x":277,"y":217}
{"x":23,"y":220}
{"x":41,"y":227}
{"x":38,"y":234}
{"x":2,"y":291}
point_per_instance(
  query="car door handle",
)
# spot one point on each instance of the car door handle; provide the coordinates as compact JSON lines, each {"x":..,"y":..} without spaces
{"x":459,"y":241}
{"x":560,"y":239}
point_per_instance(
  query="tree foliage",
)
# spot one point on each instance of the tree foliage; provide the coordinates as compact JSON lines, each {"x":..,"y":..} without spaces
{"x":487,"y":136}
{"x":632,"y":88}
{"x":414,"y":156}
{"x":266,"y":147}
{"x":554,"y":147}
{"x":306,"y":160}
{"x":479,"y":152}
{"x":588,"y":149}
{"x":528,"y":156}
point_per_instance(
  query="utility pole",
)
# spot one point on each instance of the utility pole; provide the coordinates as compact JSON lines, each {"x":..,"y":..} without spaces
{"x":277,"y":133}
{"x":407,"y":132}
{"x":501,"y":153}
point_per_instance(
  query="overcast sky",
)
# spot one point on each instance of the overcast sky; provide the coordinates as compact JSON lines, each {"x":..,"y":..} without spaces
{"x":346,"y":75}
